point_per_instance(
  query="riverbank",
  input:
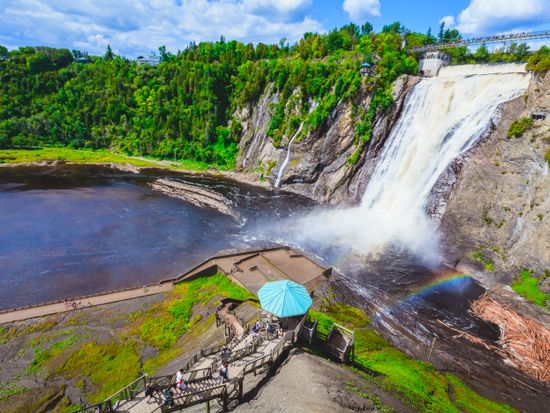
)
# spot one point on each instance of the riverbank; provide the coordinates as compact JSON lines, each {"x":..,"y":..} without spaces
{"x":104,"y":157}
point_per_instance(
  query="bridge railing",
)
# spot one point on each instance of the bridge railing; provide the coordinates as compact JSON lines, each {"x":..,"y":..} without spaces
{"x":481,"y":40}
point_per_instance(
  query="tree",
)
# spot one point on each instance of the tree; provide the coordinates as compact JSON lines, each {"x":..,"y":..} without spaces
{"x":366,"y":28}
{"x":109,"y":53}
{"x":165,"y":56}
{"x":441,"y":32}
{"x":4,"y":53}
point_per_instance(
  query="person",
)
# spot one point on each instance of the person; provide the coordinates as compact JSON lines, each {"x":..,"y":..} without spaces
{"x":256,"y":327}
{"x":98,"y":409}
{"x":149,"y":389}
{"x":224,"y":373}
{"x":168,"y":397}
{"x":180,"y":384}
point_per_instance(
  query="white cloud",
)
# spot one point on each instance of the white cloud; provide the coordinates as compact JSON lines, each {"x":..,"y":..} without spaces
{"x":448,"y":20}
{"x":136,"y":26}
{"x":488,"y":16}
{"x":360,"y":10}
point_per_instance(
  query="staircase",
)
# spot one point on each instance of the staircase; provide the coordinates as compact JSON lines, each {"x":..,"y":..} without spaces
{"x":245,"y":353}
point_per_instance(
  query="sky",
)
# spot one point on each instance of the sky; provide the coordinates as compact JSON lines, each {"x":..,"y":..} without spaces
{"x":134,"y":27}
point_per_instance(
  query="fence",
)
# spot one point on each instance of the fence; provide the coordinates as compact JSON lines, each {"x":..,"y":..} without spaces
{"x":125,"y":394}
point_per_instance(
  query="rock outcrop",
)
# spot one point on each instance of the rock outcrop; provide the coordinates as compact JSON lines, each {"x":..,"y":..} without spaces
{"x":499,"y":209}
{"x":318,"y":165}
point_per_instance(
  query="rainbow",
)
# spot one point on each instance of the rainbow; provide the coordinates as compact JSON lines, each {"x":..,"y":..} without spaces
{"x":446,"y":279}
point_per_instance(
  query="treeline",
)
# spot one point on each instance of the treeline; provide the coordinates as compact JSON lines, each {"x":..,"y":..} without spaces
{"x":184,"y":108}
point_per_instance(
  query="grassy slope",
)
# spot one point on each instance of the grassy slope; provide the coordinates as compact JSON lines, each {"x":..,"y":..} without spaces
{"x":100,"y":366}
{"x":85,"y":156}
{"x":416,"y":382}
{"x":528,"y":287}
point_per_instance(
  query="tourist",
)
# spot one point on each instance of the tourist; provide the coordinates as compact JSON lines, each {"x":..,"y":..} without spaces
{"x":98,"y":409}
{"x":180,"y":384}
{"x":256,"y":327}
{"x":168,"y":397}
{"x":149,"y":389}
{"x":224,"y":373}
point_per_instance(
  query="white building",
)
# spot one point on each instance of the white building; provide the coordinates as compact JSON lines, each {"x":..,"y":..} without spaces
{"x":153,"y":59}
{"x":431,"y":62}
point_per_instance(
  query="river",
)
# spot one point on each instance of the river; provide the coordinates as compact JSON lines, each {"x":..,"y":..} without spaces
{"x":73,"y":230}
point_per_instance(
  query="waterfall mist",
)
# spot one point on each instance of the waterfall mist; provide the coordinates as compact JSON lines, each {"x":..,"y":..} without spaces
{"x":442,"y":119}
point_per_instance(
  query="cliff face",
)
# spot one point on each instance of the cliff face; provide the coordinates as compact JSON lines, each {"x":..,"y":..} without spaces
{"x":318,"y":164}
{"x":500,"y":205}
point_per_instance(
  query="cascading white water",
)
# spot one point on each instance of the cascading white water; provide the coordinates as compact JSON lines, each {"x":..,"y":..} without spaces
{"x":443,"y":118}
{"x":287,"y":158}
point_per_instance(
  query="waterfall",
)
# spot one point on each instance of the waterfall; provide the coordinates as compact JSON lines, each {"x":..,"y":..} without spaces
{"x":443,"y":118}
{"x":285,"y":162}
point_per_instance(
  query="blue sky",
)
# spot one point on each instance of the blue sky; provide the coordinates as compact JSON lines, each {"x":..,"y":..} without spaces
{"x":135,"y":27}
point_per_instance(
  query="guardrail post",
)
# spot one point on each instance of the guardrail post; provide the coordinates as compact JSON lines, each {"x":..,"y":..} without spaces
{"x":240,"y":394}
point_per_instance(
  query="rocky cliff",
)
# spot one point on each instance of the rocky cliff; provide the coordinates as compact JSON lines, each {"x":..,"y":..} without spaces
{"x":498,"y":214}
{"x":318,"y":163}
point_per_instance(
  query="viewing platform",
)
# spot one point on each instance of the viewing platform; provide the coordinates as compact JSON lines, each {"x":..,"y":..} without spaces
{"x":250,"y":269}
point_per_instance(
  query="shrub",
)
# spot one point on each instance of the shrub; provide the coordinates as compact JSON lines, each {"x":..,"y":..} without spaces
{"x":518,"y":127}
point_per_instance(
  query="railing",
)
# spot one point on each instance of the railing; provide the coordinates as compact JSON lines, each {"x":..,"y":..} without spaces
{"x":245,"y":351}
{"x":482,"y":40}
{"x":190,"y":376}
{"x":191,"y":399}
{"x":309,"y":332}
{"x":124,"y":394}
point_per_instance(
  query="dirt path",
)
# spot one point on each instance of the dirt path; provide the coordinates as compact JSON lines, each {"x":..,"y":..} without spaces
{"x":61,"y":307}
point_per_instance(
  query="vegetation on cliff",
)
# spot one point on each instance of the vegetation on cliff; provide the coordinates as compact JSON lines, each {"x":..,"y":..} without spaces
{"x":528,"y":286}
{"x":417,"y":382}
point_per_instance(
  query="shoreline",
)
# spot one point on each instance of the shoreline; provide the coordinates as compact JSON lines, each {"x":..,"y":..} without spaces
{"x":240,"y":177}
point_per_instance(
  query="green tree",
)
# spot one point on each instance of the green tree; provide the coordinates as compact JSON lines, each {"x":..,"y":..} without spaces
{"x":108,"y":53}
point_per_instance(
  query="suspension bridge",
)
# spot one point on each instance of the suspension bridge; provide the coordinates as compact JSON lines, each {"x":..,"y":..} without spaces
{"x":504,"y":38}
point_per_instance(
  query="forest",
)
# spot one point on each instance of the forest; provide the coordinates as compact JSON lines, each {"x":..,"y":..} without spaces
{"x":185,"y":107}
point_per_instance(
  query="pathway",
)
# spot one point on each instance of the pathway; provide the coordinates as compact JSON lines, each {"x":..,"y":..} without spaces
{"x":61,"y":307}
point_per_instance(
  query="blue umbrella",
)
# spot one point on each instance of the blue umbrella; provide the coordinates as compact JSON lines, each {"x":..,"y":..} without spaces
{"x":284,"y":298}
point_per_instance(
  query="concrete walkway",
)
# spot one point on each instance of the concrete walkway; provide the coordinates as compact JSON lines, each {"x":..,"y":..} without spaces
{"x":47,"y":309}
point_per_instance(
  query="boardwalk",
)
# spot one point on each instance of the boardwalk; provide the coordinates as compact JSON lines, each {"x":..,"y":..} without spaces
{"x":60,"y":307}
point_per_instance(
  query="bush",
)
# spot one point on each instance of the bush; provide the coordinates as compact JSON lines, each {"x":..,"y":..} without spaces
{"x":518,"y":127}
{"x":528,"y":287}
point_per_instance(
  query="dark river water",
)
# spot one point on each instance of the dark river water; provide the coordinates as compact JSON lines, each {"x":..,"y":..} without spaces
{"x":67,"y":231}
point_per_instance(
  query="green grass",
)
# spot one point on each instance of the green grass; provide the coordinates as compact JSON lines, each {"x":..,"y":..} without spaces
{"x":528,"y":287}
{"x":173,"y":317}
{"x":416,"y":382}
{"x":487,"y":262}
{"x":109,"y":367}
{"x":88,"y":156}
{"x":10,"y":389}
{"x":518,"y":127}
{"x":43,"y":354}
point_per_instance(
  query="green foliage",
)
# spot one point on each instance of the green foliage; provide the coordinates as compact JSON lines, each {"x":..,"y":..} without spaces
{"x":487,"y":262}
{"x":528,"y":287}
{"x":518,"y":127}
{"x":88,"y":156}
{"x":423,"y":387}
{"x":183,"y":108}
{"x":547,"y":156}
{"x":175,"y":316}
{"x":540,"y":60}
{"x":10,"y":389}
{"x":109,"y":366}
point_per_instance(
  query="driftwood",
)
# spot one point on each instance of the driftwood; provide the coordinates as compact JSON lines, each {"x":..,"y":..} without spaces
{"x":524,"y":343}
